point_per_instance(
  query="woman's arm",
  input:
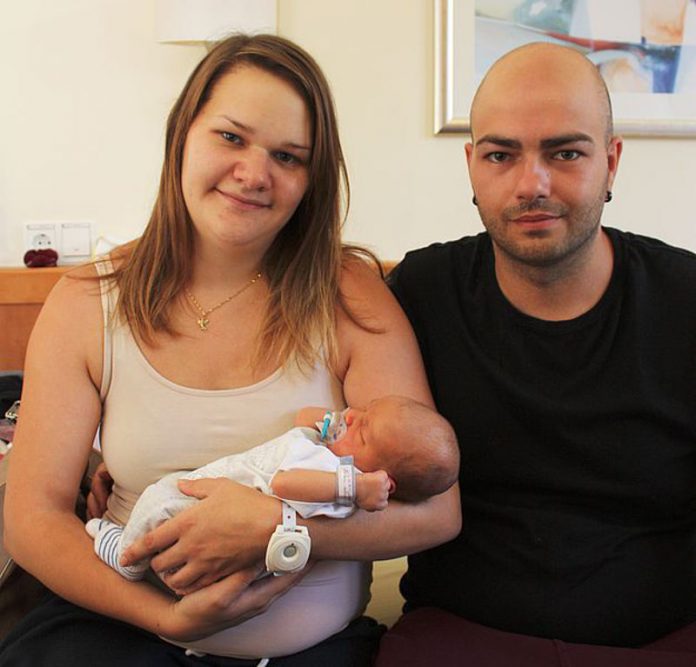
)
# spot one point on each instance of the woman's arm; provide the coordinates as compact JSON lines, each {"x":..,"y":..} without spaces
{"x":231,"y":528}
{"x":378,"y":364}
{"x":61,"y":409}
{"x":309,"y":416}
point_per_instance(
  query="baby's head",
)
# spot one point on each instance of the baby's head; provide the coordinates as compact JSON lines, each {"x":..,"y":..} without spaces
{"x":414,"y":444}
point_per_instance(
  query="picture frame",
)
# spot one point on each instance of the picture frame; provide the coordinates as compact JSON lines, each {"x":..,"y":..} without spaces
{"x":642,"y":114}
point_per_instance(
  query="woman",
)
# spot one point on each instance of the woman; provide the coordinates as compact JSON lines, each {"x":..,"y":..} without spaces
{"x":237,"y":306}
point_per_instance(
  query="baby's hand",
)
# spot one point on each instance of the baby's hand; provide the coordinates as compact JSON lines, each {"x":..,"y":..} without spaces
{"x":100,"y":489}
{"x":372,"y":490}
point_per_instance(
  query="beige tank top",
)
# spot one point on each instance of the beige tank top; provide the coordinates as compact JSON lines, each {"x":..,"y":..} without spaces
{"x":152,"y":426}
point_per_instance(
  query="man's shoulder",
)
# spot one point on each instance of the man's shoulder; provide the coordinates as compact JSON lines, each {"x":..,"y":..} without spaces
{"x":654,"y":256}
{"x":660,"y":275}
{"x":647,"y":245}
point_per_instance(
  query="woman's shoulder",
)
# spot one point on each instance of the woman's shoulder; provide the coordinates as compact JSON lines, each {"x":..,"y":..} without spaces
{"x":68,"y":332}
{"x":363,"y":290}
{"x":361,"y":276}
{"x":76,"y":287}
{"x":85,"y":283}
{"x":378,"y":351}
{"x":72,"y":311}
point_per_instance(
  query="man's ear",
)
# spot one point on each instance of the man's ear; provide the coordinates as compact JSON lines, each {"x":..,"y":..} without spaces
{"x":469,"y":150}
{"x":613,"y":156}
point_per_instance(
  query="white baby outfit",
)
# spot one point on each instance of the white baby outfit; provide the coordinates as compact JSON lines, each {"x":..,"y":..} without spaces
{"x":299,"y":448}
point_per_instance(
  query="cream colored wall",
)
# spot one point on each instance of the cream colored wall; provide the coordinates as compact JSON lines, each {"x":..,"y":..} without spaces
{"x":85,"y":89}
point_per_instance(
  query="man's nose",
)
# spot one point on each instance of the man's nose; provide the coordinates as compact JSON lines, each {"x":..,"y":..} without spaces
{"x":534,"y":180}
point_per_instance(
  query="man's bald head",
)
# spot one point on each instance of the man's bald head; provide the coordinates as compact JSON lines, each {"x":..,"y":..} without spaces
{"x":539,"y":67}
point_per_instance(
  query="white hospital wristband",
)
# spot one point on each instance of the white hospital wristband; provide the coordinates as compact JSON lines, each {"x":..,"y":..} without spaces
{"x":345,"y":481}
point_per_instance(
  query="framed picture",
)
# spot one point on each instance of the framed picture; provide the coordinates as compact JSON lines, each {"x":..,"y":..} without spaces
{"x":644,"y":49}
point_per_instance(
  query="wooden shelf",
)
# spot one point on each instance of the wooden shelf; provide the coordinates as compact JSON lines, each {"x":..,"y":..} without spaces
{"x":22,"y":293}
{"x":22,"y":285}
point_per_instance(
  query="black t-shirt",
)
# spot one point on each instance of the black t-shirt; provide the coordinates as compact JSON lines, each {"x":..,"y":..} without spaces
{"x":578,"y":443}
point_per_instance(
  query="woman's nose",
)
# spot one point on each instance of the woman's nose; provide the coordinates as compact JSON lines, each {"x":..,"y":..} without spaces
{"x":252,"y":169}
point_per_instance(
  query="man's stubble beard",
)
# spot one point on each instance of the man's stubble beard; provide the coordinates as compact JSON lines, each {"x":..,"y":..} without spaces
{"x":539,"y":250}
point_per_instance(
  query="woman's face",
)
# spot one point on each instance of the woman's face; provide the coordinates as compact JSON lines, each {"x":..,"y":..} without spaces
{"x":246,"y":157}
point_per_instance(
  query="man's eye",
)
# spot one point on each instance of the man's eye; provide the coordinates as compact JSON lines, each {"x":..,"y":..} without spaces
{"x":567,"y":155}
{"x":231,"y":137}
{"x":497,"y":157}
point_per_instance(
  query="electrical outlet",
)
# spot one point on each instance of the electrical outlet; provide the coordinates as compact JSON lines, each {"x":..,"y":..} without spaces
{"x":71,"y":240}
{"x":39,"y":235}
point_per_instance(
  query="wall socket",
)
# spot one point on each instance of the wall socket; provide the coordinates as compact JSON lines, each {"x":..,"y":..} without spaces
{"x":71,"y":240}
{"x":40,"y":235}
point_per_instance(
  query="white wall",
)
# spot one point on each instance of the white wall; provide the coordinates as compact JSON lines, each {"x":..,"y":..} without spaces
{"x":84,"y":92}
{"x":85,"y":88}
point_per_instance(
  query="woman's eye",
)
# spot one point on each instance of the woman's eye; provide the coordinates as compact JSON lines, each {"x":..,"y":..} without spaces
{"x":286,"y":158}
{"x":231,"y":137}
{"x":567,"y":155}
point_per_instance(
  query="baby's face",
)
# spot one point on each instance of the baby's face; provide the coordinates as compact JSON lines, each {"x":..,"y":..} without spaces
{"x":356,"y":442}
{"x":359,"y":440}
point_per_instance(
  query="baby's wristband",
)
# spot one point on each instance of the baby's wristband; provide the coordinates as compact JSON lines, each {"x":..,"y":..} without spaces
{"x":345,"y":481}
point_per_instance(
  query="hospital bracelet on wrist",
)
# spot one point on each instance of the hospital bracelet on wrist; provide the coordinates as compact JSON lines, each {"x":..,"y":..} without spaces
{"x":345,"y":481}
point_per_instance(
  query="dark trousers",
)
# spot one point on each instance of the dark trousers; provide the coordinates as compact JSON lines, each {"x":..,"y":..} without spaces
{"x":60,"y":634}
{"x":434,"y":637}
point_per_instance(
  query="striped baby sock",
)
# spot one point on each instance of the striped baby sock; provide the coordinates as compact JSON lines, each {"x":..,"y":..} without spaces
{"x":107,"y":540}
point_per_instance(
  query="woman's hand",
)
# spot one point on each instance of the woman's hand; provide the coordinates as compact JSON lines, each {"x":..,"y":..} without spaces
{"x":99,"y":491}
{"x":225,"y":533}
{"x":228,"y":602}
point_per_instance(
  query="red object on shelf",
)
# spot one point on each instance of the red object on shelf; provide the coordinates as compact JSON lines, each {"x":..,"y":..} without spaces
{"x":40,"y":257}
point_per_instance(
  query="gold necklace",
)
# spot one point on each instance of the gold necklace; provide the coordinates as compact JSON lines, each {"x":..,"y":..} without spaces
{"x":203,"y":320}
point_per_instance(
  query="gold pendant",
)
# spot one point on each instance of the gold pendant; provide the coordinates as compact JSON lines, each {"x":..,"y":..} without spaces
{"x":203,"y":323}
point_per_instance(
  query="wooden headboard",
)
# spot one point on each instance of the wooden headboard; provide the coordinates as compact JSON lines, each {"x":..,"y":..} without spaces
{"x":22,"y":293}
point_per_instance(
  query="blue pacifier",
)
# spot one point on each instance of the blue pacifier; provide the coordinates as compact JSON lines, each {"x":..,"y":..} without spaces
{"x":333,"y":427}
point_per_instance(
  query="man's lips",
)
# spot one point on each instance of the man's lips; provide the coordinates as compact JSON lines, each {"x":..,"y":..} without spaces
{"x":244,"y":202}
{"x":536,"y":217}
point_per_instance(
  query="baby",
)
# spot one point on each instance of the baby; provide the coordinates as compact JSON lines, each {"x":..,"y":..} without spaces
{"x":398,"y":446}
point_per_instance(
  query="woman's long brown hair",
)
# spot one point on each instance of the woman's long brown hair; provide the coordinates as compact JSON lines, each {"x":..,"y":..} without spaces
{"x":303,"y":264}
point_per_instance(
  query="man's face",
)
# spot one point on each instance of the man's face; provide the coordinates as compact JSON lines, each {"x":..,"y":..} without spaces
{"x":540,"y":163}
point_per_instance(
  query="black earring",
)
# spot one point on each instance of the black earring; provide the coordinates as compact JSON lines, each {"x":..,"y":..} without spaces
{"x":474,"y":201}
{"x":608,"y":197}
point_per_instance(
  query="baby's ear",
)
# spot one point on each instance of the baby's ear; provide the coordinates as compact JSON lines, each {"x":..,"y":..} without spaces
{"x":350,"y":417}
{"x":392,"y":486}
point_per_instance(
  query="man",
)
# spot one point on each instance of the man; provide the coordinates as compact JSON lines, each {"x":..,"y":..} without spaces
{"x":564,"y":354}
